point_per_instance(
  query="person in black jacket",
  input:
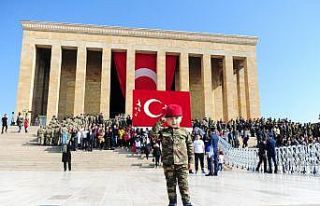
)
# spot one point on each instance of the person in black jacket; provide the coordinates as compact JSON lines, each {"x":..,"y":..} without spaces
{"x":262,"y":156}
{"x":100,"y":118}
{"x":271,"y":153}
{"x":4,"y":123}
{"x":214,"y":159}
{"x":157,"y":154}
{"x":66,"y":156}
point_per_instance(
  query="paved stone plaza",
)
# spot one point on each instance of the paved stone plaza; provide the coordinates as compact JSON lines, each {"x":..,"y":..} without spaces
{"x":146,"y":187}
{"x":32,"y":175}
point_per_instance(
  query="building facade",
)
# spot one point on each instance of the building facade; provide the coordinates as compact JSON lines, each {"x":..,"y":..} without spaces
{"x":68,"y":69}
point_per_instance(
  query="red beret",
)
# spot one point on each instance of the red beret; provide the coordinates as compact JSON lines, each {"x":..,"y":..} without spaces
{"x":173,"y":110}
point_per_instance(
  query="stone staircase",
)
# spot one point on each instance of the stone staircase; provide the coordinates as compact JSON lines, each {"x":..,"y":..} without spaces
{"x":20,"y":152}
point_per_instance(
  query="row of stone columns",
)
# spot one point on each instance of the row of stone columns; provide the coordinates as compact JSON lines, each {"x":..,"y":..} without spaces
{"x":247,"y":89}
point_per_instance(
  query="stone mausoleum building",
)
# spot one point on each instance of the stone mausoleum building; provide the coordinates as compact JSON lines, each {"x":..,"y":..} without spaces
{"x":70,"y":69}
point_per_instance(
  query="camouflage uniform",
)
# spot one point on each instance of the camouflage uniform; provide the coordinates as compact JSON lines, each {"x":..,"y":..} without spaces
{"x":40,"y":135}
{"x":176,"y":155}
{"x":57,"y":134}
{"x":48,"y":136}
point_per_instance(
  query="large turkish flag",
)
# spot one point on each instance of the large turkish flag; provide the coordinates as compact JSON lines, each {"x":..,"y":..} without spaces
{"x":149,"y":106}
{"x":146,"y":71}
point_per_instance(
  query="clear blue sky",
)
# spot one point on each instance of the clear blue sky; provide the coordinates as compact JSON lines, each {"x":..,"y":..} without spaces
{"x":288,"y":50}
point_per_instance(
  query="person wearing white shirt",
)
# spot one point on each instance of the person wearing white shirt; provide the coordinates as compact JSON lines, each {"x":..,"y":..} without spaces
{"x":221,"y":160}
{"x":79,"y":134}
{"x":198,"y":146}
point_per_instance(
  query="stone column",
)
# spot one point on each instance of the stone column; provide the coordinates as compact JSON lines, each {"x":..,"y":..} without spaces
{"x":26,"y":75}
{"x":80,"y":83}
{"x":54,"y":82}
{"x":184,"y":72}
{"x":242,"y":92}
{"x":105,"y":82}
{"x":252,"y":88}
{"x":207,"y":86}
{"x":130,"y":80}
{"x":228,"y":88}
{"x":236,"y":103}
{"x":161,"y":70}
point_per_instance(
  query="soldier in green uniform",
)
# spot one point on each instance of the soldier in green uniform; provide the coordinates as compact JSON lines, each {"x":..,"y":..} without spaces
{"x":40,"y":135}
{"x":47,"y":135}
{"x":176,"y":153}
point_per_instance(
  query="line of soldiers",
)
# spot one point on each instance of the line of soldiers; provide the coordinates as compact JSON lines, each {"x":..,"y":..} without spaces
{"x":51,"y":133}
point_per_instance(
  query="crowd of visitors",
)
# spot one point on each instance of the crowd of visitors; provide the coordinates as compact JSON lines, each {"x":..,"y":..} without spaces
{"x":284,"y":131}
{"x":88,"y":132}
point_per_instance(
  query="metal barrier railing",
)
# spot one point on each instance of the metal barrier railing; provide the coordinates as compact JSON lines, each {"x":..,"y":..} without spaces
{"x":301,"y":159}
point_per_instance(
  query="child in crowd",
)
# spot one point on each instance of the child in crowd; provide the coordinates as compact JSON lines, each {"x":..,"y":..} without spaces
{"x":221,"y":160}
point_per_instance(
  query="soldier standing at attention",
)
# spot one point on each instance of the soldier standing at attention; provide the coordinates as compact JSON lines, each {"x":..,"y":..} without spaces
{"x":176,"y":153}
{"x":47,"y":135}
{"x":40,"y":135}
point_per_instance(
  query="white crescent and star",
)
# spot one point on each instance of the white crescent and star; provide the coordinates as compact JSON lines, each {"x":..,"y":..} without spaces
{"x":146,"y":108}
{"x":146,"y":72}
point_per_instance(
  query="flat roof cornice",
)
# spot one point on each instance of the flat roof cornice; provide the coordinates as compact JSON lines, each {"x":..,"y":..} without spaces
{"x":137,"y":32}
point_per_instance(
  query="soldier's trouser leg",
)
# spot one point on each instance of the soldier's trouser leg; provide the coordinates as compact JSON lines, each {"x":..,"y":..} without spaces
{"x":182,"y":176}
{"x":171,"y":178}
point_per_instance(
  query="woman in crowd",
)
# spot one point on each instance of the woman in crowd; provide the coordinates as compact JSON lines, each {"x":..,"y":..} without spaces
{"x":101,"y":139}
{"x":66,"y":156}
{"x":26,"y":123}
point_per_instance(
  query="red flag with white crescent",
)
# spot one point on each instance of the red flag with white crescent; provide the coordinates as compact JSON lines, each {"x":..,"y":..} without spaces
{"x":150,"y":106}
{"x":146,"y":71}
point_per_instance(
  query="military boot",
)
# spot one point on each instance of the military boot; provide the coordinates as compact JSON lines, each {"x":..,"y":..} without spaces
{"x":186,"y":202}
{"x":173,"y":202}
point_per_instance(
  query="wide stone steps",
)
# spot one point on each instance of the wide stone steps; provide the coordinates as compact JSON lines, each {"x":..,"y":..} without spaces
{"x":20,"y":151}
